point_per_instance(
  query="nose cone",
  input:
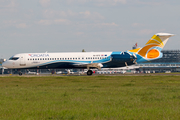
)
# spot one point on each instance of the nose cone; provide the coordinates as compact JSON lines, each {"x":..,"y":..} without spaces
{"x":5,"y":64}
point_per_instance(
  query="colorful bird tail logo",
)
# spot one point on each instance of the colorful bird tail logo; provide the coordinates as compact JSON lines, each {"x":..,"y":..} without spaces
{"x":153,"y":47}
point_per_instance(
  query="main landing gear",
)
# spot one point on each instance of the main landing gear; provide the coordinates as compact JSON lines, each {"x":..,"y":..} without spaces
{"x":93,"y":65}
{"x":89,"y":72}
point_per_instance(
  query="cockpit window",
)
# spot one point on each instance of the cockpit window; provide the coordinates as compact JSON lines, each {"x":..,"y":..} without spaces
{"x":14,"y":58}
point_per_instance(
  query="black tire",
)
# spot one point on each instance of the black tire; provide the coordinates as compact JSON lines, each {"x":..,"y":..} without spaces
{"x":20,"y":73}
{"x":89,"y":72}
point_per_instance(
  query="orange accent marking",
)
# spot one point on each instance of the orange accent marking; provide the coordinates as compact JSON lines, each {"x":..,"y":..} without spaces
{"x":153,"y":54}
{"x":134,"y":50}
{"x":155,"y":37}
{"x":161,"y":45}
{"x":152,"y":41}
{"x":144,"y":50}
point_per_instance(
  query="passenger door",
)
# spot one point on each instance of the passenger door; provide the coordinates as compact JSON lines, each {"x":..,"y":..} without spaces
{"x":22,"y":60}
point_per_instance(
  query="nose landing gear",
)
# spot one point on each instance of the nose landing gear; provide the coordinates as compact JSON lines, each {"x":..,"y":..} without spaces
{"x":20,"y":73}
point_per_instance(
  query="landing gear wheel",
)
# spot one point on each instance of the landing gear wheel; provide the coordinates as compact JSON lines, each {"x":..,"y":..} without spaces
{"x":89,"y":72}
{"x":20,"y":73}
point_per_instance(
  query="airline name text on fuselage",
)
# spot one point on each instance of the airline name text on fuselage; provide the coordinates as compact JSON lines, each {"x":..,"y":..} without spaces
{"x":39,"y":55}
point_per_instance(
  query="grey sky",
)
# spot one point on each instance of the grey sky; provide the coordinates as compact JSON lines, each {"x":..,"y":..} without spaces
{"x":93,"y":25}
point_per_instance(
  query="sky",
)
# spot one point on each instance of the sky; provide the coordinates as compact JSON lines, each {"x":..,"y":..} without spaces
{"x":31,"y":26}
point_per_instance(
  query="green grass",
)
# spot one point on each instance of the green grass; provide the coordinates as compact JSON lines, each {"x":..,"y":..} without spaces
{"x":94,"y":97}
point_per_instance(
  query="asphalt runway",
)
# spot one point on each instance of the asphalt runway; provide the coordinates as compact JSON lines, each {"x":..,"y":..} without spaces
{"x":126,"y":74}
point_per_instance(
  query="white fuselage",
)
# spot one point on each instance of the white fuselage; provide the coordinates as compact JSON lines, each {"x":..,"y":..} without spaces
{"x":36,"y":60}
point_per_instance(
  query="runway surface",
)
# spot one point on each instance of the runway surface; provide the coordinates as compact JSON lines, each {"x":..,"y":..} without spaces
{"x":126,"y":74}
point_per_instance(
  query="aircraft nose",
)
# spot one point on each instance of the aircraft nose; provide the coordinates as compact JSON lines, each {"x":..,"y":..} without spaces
{"x":5,"y":64}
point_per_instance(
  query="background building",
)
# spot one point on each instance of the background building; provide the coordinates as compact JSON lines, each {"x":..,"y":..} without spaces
{"x":169,"y":62}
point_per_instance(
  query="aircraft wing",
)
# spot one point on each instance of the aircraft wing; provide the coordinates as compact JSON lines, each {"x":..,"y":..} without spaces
{"x":89,"y":65}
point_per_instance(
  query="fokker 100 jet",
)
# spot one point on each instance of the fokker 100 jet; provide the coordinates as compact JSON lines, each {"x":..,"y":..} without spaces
{"x":90,"y":60}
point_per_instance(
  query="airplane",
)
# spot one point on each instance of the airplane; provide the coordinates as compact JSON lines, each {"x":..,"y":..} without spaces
{"x":90,"y":60}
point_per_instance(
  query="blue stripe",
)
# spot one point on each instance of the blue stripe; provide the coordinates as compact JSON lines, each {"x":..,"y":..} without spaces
{"x":74,"y":61}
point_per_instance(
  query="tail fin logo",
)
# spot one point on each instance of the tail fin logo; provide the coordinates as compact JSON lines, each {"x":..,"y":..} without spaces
{"x":153,"y":47}
{"x":148,"y":50}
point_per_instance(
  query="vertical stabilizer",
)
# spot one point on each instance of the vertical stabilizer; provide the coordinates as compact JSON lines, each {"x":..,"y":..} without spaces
{"x":152,"y":49}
